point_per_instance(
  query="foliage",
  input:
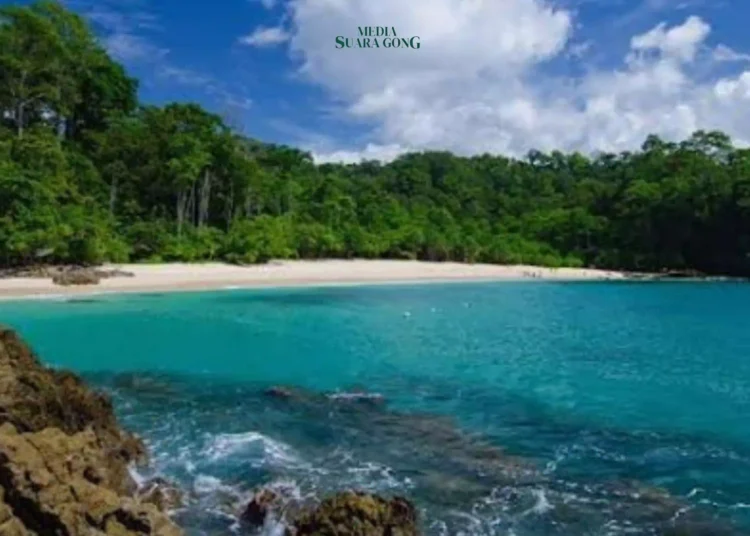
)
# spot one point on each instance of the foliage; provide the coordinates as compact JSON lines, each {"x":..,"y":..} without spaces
{"x":87,"y":175}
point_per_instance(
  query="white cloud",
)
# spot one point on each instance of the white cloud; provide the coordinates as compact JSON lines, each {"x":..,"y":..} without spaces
{"x":477,"y":84}
{"x":125,"y":31}
{"x":130,"y":47}
{"x":186,"y":77}
{"x":268,"y":4}
{"x":680,"y":42}
{"x":724,"y":53}
{"x":263,"y":37}
{"x":371,"y":151}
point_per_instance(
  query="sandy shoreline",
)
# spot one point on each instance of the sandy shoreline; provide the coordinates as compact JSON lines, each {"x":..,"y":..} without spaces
{"x":208,"y":276}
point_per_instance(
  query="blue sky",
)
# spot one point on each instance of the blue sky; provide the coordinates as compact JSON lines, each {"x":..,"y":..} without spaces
{"x":490,"y":76}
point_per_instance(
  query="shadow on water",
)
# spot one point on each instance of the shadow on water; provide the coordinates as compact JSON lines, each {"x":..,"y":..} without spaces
{"x":303,"y":298}
{"x":574,"y":480}
{"x":151,"y":295}
{"x":331,"y":296}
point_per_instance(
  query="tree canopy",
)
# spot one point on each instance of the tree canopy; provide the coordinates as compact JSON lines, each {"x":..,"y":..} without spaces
{"x":89,"y":174}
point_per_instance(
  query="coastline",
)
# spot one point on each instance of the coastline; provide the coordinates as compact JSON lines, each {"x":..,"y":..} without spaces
{"x":181,"y":277}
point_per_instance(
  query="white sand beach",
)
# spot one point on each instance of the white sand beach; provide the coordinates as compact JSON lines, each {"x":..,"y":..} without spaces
{"x":206,"y":276}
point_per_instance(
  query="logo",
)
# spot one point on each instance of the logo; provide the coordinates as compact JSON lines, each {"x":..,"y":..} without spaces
{"x":377,"y":37}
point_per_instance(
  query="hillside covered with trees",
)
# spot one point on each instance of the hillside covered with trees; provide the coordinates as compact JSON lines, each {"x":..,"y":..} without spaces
{"x":89,"y":174}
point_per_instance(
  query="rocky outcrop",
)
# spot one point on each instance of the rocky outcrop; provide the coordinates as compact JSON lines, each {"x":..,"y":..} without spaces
{"x":56,"y":483}
{"x":436,"y":444}
{"x":63,"y":457}
{"x":359,"y":514}
{"x":33,"y":397}
{"x":162,"y":494}
{"x":265,"y":503}
{"x":65,"y":274}
{"x":300,"y":396}
{"x":344,"y":514}
{"x":83,"y":276}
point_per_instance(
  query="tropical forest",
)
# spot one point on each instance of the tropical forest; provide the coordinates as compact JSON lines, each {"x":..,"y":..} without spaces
{"x":88,"y":174}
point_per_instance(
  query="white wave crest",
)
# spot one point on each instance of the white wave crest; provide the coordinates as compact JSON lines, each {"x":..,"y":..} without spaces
{"x":261,"y":450}
{"x":137,"y":477}
{"x":355,"y":396}
{"x":542,"y":505}
{"x":210,"y":485}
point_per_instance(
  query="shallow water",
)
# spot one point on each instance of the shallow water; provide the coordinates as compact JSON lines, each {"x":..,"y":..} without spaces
{"x":588,"y":386}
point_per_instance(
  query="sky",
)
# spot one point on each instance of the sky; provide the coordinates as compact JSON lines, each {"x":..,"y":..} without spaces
{"x":490,"y":76}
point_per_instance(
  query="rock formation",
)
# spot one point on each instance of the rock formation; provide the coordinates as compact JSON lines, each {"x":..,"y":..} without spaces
{"x":359,"y":514}
{"x":162,"y":494}
{"x":83,"y":276}
{"x":64,"y":468}
{"x":343,"y":514}
{"x":63,"y":457}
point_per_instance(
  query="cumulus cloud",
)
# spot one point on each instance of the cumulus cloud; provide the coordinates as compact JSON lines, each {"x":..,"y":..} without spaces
{"x":263,"y":37}
{"x":679,"y":42}
{"x":479,"y":84}
{"x":371,"y":151}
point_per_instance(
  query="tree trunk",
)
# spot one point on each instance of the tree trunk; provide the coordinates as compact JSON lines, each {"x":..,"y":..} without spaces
{"x":181,"y":206}
{"x":19,"y":120}
{"x":229,"y":207}
{"x":205,"y":199}
{"x":61,"y":127}
{"x":191,"y":204}
{"x":112,"y":195}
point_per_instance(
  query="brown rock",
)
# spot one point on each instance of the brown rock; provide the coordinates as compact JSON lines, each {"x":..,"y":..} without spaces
{"x":47,"y":484}
{"x":279,"y":502}
{"x":260,"y":506}
{"x":359,"y":514}
{"x":162,"y":494}
{"x":63,"y":457}
{"x":285,"y":393}
{"x":33,"y":397}
{"x":106,"y":274}
{"x":82,"y":276}
{"x":9,"y":523}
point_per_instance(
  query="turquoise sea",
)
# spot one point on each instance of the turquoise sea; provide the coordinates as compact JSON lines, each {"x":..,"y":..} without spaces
{"x":528,"y":408}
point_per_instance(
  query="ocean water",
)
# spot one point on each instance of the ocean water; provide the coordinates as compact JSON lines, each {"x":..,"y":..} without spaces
{"x":528,"y":408}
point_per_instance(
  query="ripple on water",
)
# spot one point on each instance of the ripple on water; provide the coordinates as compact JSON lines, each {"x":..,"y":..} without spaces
{"x":592,"y":384}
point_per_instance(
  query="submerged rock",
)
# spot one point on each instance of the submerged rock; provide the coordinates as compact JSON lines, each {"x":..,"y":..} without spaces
{"x":63,"y":457}
{"x":302,"y":396}
{"x":359,"y":514}
{"x":145,"y":386}
{"x":360,"y":397}
{"x":450,"y":468}
{"x":435,"y":444}
{"x":284,"y":392}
